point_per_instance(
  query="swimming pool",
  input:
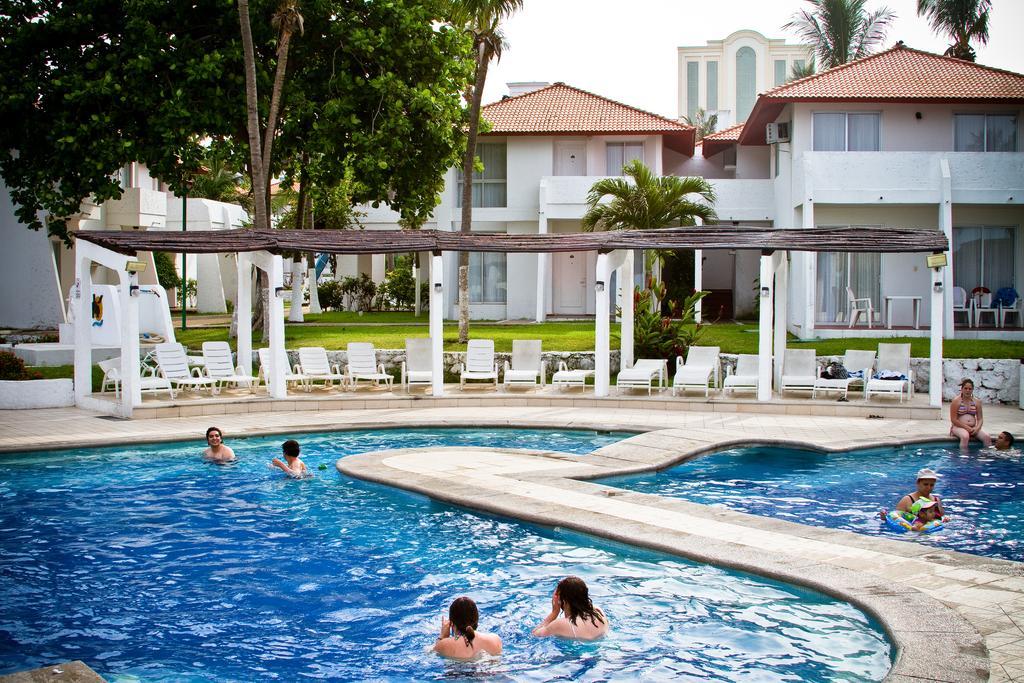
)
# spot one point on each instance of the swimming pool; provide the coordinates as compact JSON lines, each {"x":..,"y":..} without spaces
{"x":983,"y":490}
{"x":147,"y":562}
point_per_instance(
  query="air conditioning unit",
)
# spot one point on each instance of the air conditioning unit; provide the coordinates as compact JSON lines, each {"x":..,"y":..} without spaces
{"x":777,"y":132}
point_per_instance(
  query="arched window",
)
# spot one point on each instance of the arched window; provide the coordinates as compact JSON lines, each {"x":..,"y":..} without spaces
{"x":746,"y":82}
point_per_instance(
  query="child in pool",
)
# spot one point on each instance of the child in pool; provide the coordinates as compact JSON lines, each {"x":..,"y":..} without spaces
{"x":927,"y":511}
{"x":293,"y":467}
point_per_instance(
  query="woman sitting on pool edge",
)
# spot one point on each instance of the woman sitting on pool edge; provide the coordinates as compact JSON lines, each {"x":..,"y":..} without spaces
{"x":965,"y":417}
{"x":217,"y":450}
{"x":294,"y":467}
{"x":582,"y":621}
{"x":459,"y":638}
{"x":926,"y":479}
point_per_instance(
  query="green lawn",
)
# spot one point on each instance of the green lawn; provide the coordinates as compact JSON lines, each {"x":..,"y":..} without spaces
{"x":579,"y":336}
{"x":68,"y":372}
{"x":392,"y":317}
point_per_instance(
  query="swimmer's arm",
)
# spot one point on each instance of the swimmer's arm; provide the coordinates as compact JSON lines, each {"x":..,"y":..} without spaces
{"x":981,"y":418}
{"x":557,"y":627}
{"x":230,"y":453}
{"x":904,"y":504}
{"x":283,"y":466}
{"x":443,"y":645}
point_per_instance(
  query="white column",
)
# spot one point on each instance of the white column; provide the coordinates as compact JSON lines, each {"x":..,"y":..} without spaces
{"x":314,"y":294}
{"x":543,"y":258}
{"x":946,"y":226}
{"x":626,"y":323}
{"x":437,"y":322}
{"x":764,"y":347}
{"x":935,"y":359}
{"x":209,"y":286}
{"x":295,"y":313}
{"x":243,"y":309}
{"x":780,"y":293}
{"x":131,"y":389}
{"x":602,"y":336}
{"x":416,"y":280}
{"x":275,"y":309}
{"x":698,"y":281}
{"x":810,"y":269}
{"x":82,"y":302}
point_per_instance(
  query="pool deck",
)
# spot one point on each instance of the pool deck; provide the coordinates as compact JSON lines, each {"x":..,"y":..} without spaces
{"x":954,"y":617}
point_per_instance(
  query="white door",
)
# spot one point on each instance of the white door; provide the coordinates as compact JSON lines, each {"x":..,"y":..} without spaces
{"x":570,"y":286}
{"x":570,"y":158}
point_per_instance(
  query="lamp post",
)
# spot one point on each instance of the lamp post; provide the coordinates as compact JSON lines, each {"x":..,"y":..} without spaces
{"x":184,"y":257}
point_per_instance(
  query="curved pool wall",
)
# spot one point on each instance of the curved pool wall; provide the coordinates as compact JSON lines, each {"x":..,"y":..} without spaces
{"x":181,"y":570}
{"x":982,"y":490}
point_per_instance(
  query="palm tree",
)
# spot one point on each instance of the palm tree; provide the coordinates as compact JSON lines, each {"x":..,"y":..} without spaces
{"x":962,"y":20}
{"x":804,"y":70}
{"x":649,"y":202}
{"x":704,"y":123}
{"x":841,"y":30}
{"x":482,"y":20}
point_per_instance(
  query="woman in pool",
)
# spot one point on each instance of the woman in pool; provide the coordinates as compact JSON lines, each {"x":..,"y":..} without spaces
{"x":459,"y":638}
{"x":966,"y":417}
{"x":581,"y":620}
{"x":217,"y":450}
{"x":926,"y":479}
{"x":291,"y":465}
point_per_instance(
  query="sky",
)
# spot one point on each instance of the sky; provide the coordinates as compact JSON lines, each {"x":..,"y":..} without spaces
{"x":627,"y":50}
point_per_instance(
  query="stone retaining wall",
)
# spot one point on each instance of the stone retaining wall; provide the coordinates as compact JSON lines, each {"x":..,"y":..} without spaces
{"x":995,"y":380}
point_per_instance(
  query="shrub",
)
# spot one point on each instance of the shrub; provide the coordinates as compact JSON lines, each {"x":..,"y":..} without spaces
{"x":166,"y":274}
{"x":13,"y":368}
{"x":331,"y":296}
{"x":399,"y":287}
{"x":360,"y":290}
{"x":658,"y":336}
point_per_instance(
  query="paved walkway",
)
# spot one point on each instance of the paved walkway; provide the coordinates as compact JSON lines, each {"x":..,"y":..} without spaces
{"x":955,"y":617}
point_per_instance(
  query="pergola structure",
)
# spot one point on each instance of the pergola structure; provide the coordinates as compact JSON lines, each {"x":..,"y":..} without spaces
{"x":263,"y":250}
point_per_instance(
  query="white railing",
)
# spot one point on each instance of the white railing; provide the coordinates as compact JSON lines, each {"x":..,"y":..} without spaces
{"x":744,"y":200}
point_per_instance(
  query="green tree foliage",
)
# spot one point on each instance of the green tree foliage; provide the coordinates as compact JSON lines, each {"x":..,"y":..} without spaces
{"x":664,"y":336}
{"x":331,"y":296}
{"x":398,"y":291}
{"x":166,"y":273}
{"x":841,"y":30}
{"x":808,"y":68}
{"x":961,"y":20}
{"x":705,"y":123}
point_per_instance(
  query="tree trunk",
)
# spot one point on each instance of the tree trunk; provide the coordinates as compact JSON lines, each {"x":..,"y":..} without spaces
{"x":275,"y":107}
{"x":483,"y":58}
{"x":259,"y":187}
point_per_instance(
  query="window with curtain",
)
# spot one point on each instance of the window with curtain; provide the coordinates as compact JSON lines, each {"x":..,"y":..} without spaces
{"x":692,"y":88}
{"x":780,"y":71}
{"x":984,"y":133}
{"x":983,"y":256}
{"x":712,"y":86}
{"x":846,"y":132}
{"x":487,"y":278}
{"x":746,"y":82}
{"x":838,"y":270}
{"x":489,"y":185}
{"x":621,"y":153}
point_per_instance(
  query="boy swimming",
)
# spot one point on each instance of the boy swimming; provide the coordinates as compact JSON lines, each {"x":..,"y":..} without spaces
{"x":292,"y":465}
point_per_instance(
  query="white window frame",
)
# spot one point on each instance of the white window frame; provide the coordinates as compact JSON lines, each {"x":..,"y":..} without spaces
{"x":986,"y":114}
{"x":876,"y":302}
{"x":622,"y":143}
{"x":483,"y":180}
{"x":481,"y":274}
{"x":846,"y":129}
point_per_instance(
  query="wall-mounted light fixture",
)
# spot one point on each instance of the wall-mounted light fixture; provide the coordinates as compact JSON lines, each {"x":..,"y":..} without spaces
{"x":599,"y":286}
{"x":280,"y":292}
{"x":437,"y":287}
{"x":135,"y":266}
{"x":764,"y":291}
{"x":937,"y":286}
{"x":133,"y":290}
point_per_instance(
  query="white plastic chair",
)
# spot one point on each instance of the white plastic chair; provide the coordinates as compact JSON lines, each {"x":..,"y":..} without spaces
{"x":858,"y":306}
{"x":983,"y":306}
{"x":362,"y":365}
{"x":744,"y":377}
{"x":894,"y":359}
{"x":799,"y":370}
{"x":643,"y":374}
{"x":148,"y":381}
{"x":313,"y":364}
{"x":418,"y":366}
{"x":961,"y":305}
{"x":290,"y":376}
{"x":701,"y":367}
{"x":173,"y":365}
{"x":480,"y":364}
{"x":1017,"y":308}
{"x":854,"y":361}
{"x":219,"y":364}
{"x":526,"y":368}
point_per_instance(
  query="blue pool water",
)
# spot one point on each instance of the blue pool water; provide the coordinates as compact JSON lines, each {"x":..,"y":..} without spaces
{"x":983,"y":490}
{"x":149,"y":564}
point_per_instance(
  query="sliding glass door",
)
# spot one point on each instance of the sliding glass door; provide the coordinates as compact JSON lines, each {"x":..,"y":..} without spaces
{"x":984,"y":257}
{"x":838,"y":270}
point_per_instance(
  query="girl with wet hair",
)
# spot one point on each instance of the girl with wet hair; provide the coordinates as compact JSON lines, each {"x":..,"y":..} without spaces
{"x":580,"y":619}
{"x":460,"y":638}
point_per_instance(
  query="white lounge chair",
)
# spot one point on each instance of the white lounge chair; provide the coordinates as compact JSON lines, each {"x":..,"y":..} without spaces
{"x":290,"y":376}
{"x":564,"y":377}
{"x":799,"y":370}
{"x":701,"y":367}
{"x":643,"y":374}
{"x":526,"y":368}
{"x":854,"y":361}
{"x":480,"y":364}
{"x":418,"y":366}
{"x":745,"y":376}
{"x":313,"y":364}
{"x":219,"y":364}
{"x":893,"y":359}
{"x":173,"y":365}
{"x":362,"y":365}
{"x":148,"y":380}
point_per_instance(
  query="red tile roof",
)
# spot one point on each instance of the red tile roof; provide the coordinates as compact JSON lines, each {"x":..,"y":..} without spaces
{"x":899,"y":74}
{"x":720,"y":140}
{"x":561,"y":109}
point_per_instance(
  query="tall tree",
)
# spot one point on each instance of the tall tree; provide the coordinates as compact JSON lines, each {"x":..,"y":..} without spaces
{"x":841,"y":30}
{"x":704,"y":123}
{"x":482,"y":20}
{"x":649,"y":202}
{"x":961,"y":20}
